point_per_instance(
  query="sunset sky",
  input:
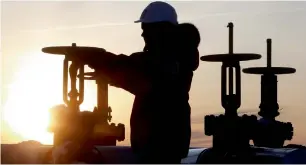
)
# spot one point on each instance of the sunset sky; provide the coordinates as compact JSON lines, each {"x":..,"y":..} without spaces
{"x":31,"y":80}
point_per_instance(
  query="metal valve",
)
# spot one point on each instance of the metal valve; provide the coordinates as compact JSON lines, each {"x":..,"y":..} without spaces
{"x":229,"y":130}
{"x":70,"y":117}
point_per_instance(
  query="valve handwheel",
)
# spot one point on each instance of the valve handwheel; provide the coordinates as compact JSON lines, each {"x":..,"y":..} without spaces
{"x":234,"y":57}
{"x":269,"y":69}
{"x":67,"y":50}
{"x":230,"y":57}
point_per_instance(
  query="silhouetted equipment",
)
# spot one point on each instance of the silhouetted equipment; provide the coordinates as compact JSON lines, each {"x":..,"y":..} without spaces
{"x":102,"y":94}
{"x":231,"y":133}
{"x":102,"y":109}
{"x":102,"y":132}
{"x":271,"y":133}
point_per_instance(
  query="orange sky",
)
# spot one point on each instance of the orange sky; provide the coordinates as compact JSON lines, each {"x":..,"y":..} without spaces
{"x":31,"y":80}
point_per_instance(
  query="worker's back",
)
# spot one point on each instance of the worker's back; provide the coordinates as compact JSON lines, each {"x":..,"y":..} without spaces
{"x":159,"y":116}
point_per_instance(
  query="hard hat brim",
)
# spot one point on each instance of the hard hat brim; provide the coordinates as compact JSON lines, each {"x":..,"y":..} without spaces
{"x":144,"y":21}
{"x":139,"y":21}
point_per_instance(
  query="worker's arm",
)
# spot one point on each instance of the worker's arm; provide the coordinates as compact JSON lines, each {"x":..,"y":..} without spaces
{"x":126,"y":72}
{"x":134,"y":73}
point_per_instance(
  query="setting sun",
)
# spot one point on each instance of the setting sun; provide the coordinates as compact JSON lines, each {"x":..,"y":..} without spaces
{"x":36,"y":88}
{"x":33,"y":91}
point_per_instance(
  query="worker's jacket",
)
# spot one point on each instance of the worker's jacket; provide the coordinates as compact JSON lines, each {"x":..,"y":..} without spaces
{"x":160,"y":116}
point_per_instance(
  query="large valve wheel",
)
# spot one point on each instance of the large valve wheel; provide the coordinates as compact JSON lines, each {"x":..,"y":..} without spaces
{"x":73,"y":51}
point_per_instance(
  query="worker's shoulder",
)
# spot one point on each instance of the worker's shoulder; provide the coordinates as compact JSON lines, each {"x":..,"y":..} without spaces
{"x":138,"y":54}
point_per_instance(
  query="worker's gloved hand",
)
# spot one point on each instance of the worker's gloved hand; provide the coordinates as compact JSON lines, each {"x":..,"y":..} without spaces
{"x":103,"y":62}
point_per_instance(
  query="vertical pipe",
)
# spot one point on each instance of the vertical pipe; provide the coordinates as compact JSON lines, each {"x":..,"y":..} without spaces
{"x":231,"y":37}
{"x":102,"y":97}
{"x":231,"y":42}
{"x":81,"y":85}
{"x":238,"y":87}
{"x":73,"y":94}
{"x":65,"y":81}
{"x":269,"y":52}
{"x":224,"y":99}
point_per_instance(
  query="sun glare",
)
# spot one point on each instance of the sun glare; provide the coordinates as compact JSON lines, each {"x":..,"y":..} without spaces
{"x":33,"y":91}
{"x":37,"y":87}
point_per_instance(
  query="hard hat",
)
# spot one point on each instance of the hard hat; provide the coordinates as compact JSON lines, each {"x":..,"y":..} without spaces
{"x":158,"y":12}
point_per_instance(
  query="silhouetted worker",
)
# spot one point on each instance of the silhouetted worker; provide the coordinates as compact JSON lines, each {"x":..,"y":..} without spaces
{"x":160,"y":116}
